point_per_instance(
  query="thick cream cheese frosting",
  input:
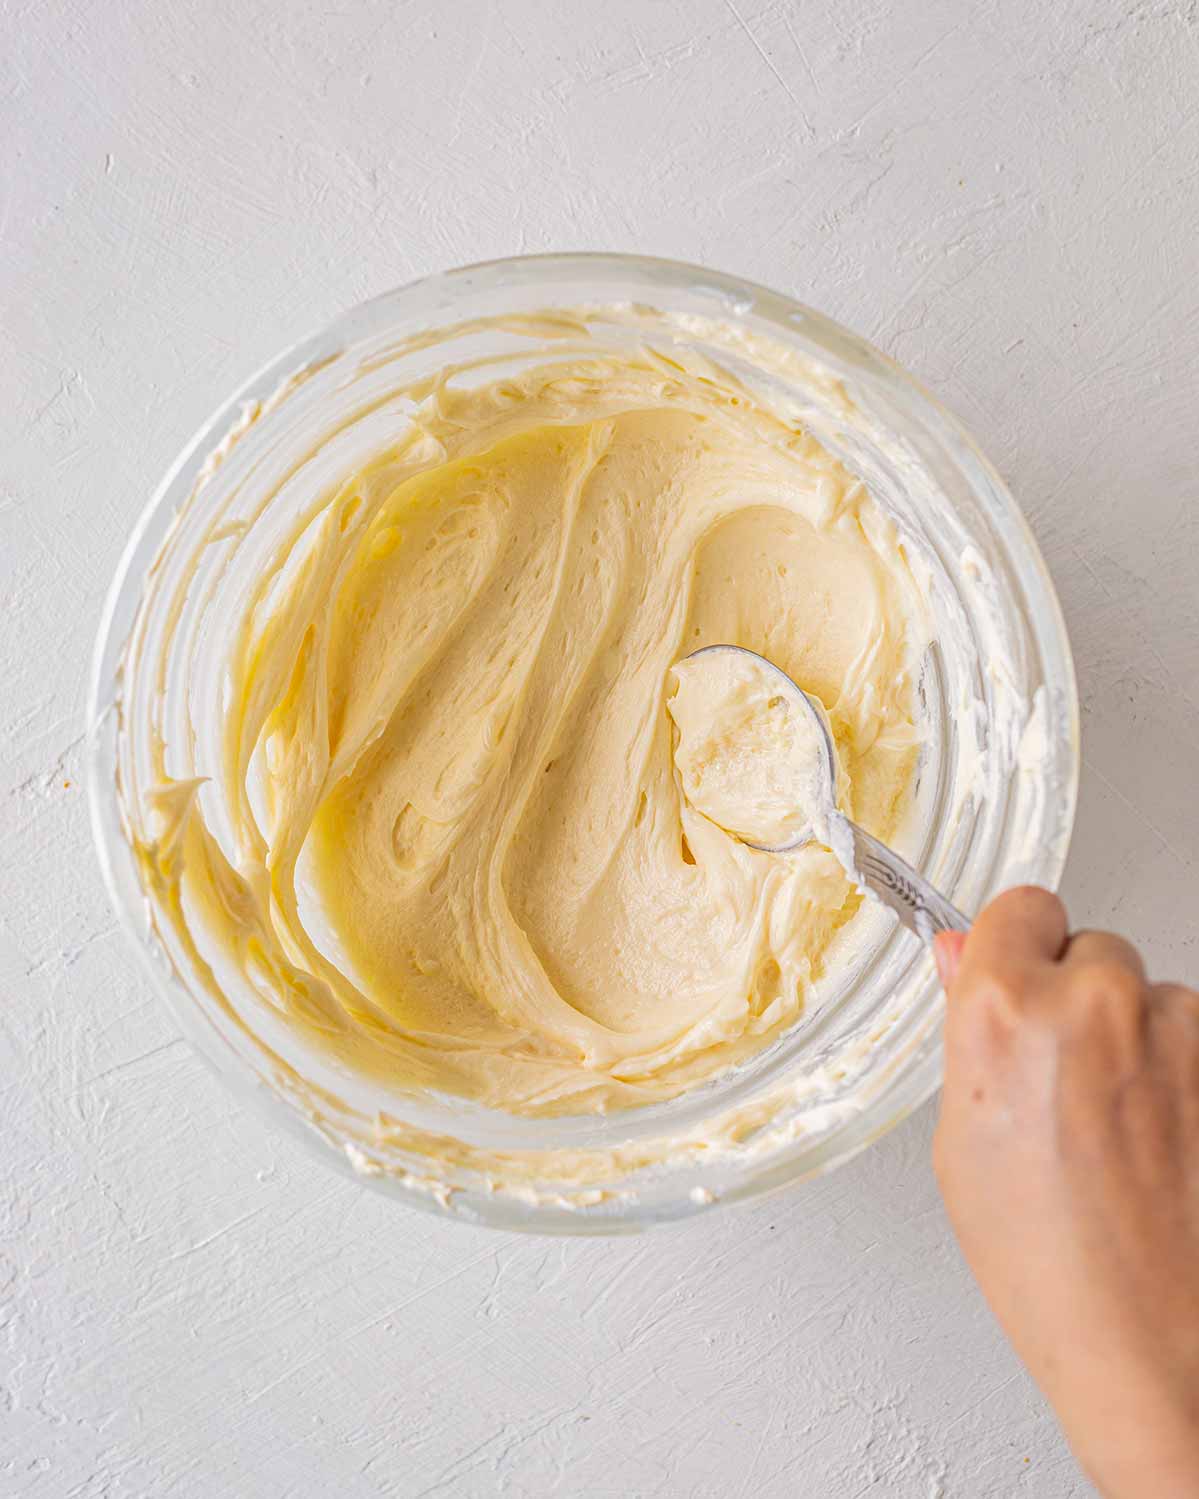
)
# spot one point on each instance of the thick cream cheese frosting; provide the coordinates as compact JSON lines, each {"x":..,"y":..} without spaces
{"x":751,"y":755}
{"x":457,"y":849}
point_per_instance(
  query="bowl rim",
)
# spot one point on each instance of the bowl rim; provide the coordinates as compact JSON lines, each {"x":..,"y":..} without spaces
{"x":922,"y":1078}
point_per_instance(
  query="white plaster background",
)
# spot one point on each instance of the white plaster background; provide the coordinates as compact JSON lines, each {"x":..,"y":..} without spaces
{"x":1003,"y":196}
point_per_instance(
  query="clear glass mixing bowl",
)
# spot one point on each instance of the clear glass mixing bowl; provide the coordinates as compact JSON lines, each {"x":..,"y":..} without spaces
{"x":996,"y":796}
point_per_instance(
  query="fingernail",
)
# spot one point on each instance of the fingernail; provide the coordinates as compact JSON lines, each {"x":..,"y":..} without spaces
{"x":947,"y":952}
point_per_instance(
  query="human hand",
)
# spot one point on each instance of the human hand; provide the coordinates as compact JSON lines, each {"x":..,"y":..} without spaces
{"x":1068,"y":1155}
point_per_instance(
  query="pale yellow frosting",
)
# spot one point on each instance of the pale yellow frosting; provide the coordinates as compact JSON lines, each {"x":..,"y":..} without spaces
{"x":464,"y":859}
{"x":751,"y":756}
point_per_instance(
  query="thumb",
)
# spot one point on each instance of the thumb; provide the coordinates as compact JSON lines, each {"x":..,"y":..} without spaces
{"x":947,"y":953}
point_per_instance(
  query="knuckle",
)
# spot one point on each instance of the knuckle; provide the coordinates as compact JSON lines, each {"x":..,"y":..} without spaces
{"x":1106,"y":947}
{"x":1029,"y":900}
{"x":1177,"y":996}
{"x":1175,"y":1025}
{"x":1107,"y":981}
{"x":997,"y":997}
{"x":1107,"y":989}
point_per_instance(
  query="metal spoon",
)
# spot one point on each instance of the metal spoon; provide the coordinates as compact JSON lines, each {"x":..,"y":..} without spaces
{"x":877,"y":868}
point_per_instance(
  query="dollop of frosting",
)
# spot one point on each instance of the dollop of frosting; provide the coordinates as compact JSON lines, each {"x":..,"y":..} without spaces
{"x":751,"y":754}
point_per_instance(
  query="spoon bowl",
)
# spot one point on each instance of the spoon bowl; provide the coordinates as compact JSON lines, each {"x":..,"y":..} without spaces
{"x":870,"y":864}
{"x":800,"y":703}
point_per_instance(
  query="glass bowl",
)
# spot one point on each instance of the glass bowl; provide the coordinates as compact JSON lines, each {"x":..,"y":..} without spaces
{"x":995,"y":799}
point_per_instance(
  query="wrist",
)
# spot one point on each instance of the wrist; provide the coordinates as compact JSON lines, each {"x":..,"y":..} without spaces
{"x":1150,"y":1451}
{"x":1172,"y":1482}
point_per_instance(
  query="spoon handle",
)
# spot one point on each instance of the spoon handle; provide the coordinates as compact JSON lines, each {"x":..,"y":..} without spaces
{"x":918,"y":905}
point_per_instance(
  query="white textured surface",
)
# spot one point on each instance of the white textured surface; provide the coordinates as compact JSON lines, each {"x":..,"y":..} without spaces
{"x":1005,"y":197}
